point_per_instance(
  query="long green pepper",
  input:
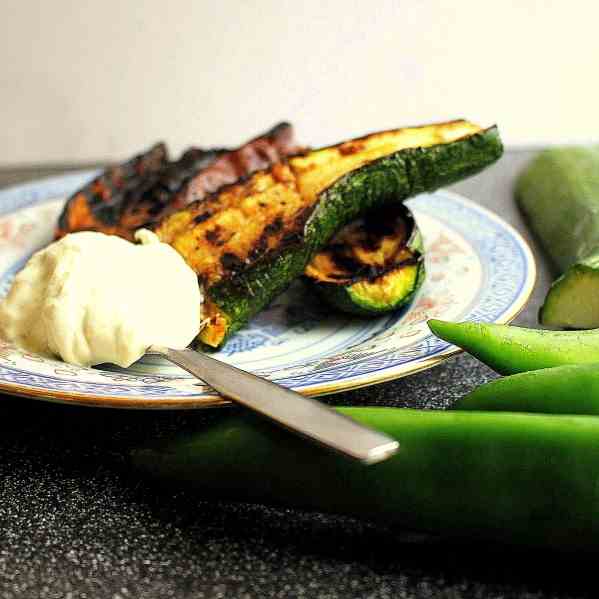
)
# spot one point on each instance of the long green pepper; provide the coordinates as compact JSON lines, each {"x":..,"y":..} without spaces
{"x":509,"y":349}
{"x":572,"y":389}
{"x":515,"y":478}
{"x":557,"y":372}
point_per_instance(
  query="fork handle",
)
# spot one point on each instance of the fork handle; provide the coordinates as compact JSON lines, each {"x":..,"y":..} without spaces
{"x":302,"y":415}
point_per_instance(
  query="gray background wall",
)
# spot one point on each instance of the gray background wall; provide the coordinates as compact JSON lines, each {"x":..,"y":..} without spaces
{"x":92,"y":80}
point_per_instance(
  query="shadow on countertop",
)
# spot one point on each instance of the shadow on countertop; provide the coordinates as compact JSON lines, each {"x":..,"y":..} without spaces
{"x":69,"y":506}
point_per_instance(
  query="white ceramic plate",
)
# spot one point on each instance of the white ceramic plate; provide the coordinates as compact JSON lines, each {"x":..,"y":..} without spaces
{"x":478,"y":268}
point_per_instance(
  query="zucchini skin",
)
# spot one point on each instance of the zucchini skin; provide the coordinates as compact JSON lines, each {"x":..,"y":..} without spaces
{"x":347,"y":299}
{"x":343,"y":298}
{"x":370,"y":265}
{"x":558,"y":193}
{"x":397,"y":177}
{"x":393,"y":178}
{"x":520,"y":479}
{"x":245,"y":295}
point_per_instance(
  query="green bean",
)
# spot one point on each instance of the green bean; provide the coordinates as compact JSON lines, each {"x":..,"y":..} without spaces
{"x":524,"y":479}
{"x":572,"y":389}
{"x":509,"y":349}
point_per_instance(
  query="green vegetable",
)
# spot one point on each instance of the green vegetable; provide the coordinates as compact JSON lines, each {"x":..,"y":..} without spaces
{"x":559,"y":194}
{"x":373,"y":265}
{"x":573,"y":299}
{"x":509,"y":349}
{"x":572,"y":389}
{"x":515,"y":478}
{"x":250,"y":240}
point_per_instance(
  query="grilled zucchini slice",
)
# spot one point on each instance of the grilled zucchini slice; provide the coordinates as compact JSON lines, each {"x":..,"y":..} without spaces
{"x":373,"y":265}
{"x":251,"y":239}
{"x":146,"y":189}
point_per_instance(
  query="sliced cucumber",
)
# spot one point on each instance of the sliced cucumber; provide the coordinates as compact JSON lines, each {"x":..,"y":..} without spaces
{"x":559,"y":194}
{"x":573,"y":300}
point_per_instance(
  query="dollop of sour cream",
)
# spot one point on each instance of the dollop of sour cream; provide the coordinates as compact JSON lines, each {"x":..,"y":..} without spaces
{"x":92,"y":298}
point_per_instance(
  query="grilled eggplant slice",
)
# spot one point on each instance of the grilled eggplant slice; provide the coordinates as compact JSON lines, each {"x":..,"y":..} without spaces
{"x":156,"y":196}
{"x":251,"y":239}
{"x":146,"y":189}
{"x":373,"y":265}
{"x":96,"y":207}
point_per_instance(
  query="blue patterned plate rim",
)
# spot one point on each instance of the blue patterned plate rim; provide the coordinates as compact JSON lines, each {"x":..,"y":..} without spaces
{"x":358,"y":372}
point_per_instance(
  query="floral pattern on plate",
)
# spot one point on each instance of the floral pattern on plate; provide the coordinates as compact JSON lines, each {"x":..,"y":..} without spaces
{"x":478,"y":268}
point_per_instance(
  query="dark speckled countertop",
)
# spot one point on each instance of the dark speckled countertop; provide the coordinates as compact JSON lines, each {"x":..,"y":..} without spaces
{"x":74,"y":524}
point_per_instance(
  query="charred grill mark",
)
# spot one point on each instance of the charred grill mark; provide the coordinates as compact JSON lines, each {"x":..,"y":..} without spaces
{"x":274,"y":227}
{"x":374,"y":227}
{"x":344,"y":262}
{"x":291,"y":238}
{"x":289,"y":234}
{"x":157,"y":196}
{"x":375,"y":273}
{"x":203,"y":216}
{"x":255,"y":231}
{"x":147,"y":188}
{"x":84,"y":209}
{"x":213,"y":235}
{"x":218,"y":236}
{"x":236,"y":165}
{"x":232,"y":263}
{"x":356,"y":271}
{"x":388,"y":219}
{"x":260,"y":247}
{"x":301,"y":218}
{"x":347,"y":267}
{"x":155,"y":209}
{"x":107,"y":213}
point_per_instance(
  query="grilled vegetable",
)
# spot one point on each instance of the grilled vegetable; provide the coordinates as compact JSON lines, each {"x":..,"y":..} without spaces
{"x":373,"y":265}
{"x":508,"y":349}
{"x":559,"y":194}
{"x":250,"y":240}
{"x":572,"y":389}
{"x":148,"y":188}
{"x":522,"y":479}
{"x":156,"y":195}
{"x":96,"y":206}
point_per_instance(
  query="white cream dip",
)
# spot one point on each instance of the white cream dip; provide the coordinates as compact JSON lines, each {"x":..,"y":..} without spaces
{"x":91,"y":298}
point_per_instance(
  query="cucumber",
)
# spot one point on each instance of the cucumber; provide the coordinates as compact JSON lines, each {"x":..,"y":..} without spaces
{"x":250,"y":240}
{"x":373,"y":265}
{"x":559,"y":194}
{"x":572,"y":301}
{"x":522,"y":479}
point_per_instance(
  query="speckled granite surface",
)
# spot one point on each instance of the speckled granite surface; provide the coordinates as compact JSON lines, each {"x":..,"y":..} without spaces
{"x":73,"y":524}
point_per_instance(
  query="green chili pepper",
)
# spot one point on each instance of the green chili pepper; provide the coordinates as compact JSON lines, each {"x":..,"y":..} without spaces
{"x":572,"y":389}
{"x":508,"y":349}
{"x":523,"y":479}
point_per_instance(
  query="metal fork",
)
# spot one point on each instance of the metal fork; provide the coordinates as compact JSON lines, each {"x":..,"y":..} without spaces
{"x":302,"y":415}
